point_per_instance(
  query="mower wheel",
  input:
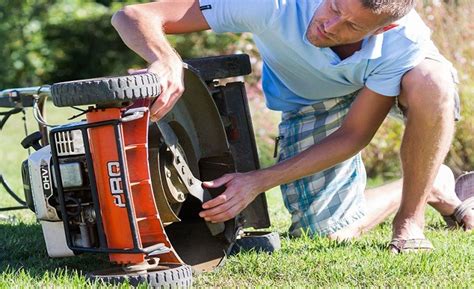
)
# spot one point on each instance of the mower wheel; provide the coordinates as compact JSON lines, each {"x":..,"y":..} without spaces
{"x":166,"y":276}
{"x":106,"y":90}
{"x":257,"y":241}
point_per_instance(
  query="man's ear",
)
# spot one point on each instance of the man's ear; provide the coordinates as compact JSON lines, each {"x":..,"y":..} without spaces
{"x":385,"y":28}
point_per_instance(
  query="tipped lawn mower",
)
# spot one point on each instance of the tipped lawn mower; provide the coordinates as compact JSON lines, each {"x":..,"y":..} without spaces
{"x":118,"y":184}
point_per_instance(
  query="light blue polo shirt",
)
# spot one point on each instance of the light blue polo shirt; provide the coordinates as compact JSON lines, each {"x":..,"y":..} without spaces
{"x":296,"y":73}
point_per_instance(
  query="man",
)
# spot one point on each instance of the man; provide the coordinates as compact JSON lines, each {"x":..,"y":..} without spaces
{"x":335,"y":68}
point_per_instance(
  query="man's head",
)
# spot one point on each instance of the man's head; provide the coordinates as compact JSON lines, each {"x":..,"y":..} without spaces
{"x":338,"y":22}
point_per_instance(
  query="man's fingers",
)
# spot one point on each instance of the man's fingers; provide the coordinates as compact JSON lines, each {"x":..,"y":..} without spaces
{"x":222,"y":198}
{"x":218,"y":182}
{"x":165,"y":102}
{"x":224,"y":207}
{"x":158,"y":105}
{"x":226,"y":215}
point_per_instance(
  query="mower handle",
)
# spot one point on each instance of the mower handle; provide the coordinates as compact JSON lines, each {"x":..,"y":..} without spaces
{"x":23,"y":97}
{"x":19,"y":98}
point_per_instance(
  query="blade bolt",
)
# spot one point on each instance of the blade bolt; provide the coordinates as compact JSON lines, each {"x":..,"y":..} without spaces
{"x":190,"y":182}
{"x":178,"y":160}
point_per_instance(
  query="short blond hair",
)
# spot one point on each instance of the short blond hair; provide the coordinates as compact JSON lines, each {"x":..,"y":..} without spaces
{"x":394,"y":9}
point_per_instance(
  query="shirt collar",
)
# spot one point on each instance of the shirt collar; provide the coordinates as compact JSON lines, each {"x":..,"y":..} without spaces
{"x":372,"y":47}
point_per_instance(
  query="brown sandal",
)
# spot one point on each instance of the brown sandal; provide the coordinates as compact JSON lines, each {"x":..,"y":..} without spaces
{"x":410,"y":245}
{"x":465,"y":192}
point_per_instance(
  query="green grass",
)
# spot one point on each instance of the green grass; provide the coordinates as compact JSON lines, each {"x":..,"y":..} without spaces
{"x":302,"y":262}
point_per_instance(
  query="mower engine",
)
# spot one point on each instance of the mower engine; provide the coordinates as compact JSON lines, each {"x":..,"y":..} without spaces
{"x":38,"y":184}
{"x":92,"y":190}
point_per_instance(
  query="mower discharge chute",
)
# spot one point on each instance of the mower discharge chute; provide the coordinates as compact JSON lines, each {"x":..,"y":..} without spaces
{"x":119,"y":184}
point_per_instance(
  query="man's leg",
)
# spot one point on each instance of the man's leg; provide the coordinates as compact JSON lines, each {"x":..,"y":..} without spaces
{"x":381,"y":202}
{"x":385,"y":200}
{"x":427,"y":98}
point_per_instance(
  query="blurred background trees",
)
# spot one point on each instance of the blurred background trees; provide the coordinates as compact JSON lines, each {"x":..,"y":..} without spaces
{"x":45,"y":41}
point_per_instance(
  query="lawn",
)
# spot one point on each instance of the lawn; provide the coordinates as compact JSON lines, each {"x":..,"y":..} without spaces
{"x":302,"y":262}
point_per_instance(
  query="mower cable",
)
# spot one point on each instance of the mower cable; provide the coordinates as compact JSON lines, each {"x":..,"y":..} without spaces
{"x":3,"y":182}
{"x":37,"y":112}
{"x":79,"y":109}
{"x":10,"y":191}
{"x":6,"y":115}
{"x":25,"y":127}
{"x":83,"y":111}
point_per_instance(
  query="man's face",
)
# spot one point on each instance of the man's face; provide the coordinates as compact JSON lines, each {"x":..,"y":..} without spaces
{"x":338,"y":22}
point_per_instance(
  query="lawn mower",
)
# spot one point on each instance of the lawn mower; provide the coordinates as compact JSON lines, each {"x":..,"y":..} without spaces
{"x":116,"y":183}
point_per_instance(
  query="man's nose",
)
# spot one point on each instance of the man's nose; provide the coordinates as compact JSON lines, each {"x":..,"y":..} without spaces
{"x":331,"y":25}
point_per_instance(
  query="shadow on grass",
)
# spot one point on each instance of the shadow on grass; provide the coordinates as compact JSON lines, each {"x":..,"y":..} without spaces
{"x":22,"y":247}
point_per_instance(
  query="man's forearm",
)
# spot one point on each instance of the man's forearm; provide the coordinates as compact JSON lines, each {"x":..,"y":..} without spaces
{"x":143,"y":26}
{"x":360,"y":125}
{"x":336,"y":148}
{"x":143,"y":33}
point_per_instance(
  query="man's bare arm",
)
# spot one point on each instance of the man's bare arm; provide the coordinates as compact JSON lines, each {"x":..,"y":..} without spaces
{"x":360,"y":125}
{"x":143,"y":26}
{"x":364,"y":118}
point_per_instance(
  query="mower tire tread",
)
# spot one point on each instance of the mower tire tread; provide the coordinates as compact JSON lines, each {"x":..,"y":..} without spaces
{"x":105,"y":90}
{"x":180,"y":277}
{"x":174,"y":277}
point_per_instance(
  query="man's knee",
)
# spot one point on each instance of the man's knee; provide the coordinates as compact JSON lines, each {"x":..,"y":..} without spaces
{"x":428,"y":89}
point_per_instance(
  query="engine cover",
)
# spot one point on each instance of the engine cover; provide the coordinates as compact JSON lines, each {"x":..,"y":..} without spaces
{"x":39,"y":166}
{"x":43,"y":193}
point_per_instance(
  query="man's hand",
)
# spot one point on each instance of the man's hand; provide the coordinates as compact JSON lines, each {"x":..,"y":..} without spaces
{"x":170,"y":74}
{"x":142,"y":27}
{"x":241,"y":190}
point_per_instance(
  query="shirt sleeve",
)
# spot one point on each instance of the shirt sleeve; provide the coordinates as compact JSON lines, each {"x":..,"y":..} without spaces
{"x":241,"y":15}
{"x":385,"y":78}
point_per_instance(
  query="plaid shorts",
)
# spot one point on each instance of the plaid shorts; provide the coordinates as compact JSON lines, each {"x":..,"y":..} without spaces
{"x":325,"y":202}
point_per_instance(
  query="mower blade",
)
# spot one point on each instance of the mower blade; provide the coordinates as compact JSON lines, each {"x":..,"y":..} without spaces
{"x":192,"y":184}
